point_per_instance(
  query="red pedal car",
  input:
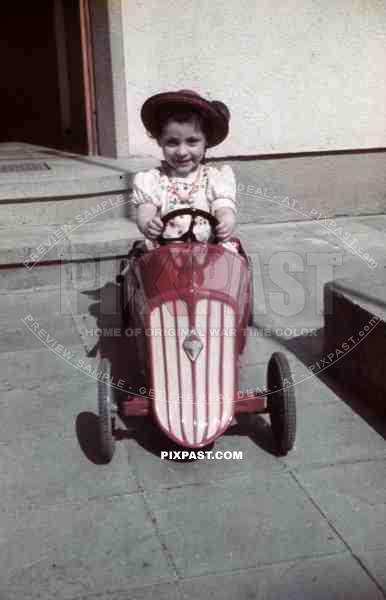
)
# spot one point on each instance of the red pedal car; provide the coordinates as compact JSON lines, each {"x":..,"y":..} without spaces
{"x":191,"y":302}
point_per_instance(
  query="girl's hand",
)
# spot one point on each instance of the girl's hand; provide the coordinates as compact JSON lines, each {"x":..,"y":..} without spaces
{"x":153,"y":228}
{"x":148,"y":221}
{"x":227,"y":221}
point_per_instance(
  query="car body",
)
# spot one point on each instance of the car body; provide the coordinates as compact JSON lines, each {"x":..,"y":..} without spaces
{"x":191,"y":303}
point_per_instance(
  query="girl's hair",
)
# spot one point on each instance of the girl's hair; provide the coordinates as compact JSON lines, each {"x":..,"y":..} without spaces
{"x":181,"y":114}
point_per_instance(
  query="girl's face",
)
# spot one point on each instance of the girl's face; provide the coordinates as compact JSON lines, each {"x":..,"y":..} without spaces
{"x":183,"y":146}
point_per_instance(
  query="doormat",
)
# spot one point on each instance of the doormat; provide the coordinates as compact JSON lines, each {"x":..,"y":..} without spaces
{"x":23,"y":167}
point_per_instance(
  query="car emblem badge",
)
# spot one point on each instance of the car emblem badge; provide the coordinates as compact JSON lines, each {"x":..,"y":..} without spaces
{"x":192,"y":345}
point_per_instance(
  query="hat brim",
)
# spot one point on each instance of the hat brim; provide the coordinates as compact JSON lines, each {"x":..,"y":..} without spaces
{"x":218,"y":123}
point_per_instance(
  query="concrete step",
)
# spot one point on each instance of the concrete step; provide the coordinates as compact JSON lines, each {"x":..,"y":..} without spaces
{"x":355,"y":335}
{"x":39,"y":186}
{"x":55,"y":211}
{"x":34,"y":246}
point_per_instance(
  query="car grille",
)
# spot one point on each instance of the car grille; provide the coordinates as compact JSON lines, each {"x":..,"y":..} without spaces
{"x":206,"y":384}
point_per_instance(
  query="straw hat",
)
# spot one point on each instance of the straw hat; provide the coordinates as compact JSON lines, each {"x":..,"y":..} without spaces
{"x":216,"y":113}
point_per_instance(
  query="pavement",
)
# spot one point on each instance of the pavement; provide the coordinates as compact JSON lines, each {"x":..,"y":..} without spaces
{"x":309,"y":525}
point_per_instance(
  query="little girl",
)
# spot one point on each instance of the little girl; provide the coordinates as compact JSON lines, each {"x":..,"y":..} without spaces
{"x":184,"y":125}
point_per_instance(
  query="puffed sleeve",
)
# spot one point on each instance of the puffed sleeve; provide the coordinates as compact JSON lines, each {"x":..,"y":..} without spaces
{"x":222,"y":188}
{"x":146,"y":188}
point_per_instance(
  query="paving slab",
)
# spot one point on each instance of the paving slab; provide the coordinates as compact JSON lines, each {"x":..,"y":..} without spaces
{"x":163,"y":591}
{"x":251,"y":441}
{"x":40,"y":392}
{"x":17,"y":336}
{"x":243,"y":522}
{"x":41,"y":303}
{"x":352,"y":496}
{"x":94,"y":273}
{"x":85,"y":548}
{"x":301,"y":243}
{"x":19,"y":280}
{"x":54,"y":471}
{"x":260,"y":347}
{"x":40,"y":307}
{"x":375,"y":562}
{"x":331,"y":433}
{"x":22,"y":370}
{"x":288,"y":285}
{"x":253,"y":376}
{"x":337,"y":577}
{"x":46,"y":408}
{"x":308,"y":391}
{"x":17,"y":244}
{"x":83,"y":282}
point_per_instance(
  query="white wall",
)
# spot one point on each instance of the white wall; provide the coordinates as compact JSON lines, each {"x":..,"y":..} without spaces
{"x":298,"y":75}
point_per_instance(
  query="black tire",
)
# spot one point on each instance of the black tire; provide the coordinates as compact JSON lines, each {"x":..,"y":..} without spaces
{"x":106,"y":412}
{"x":281,"y":402}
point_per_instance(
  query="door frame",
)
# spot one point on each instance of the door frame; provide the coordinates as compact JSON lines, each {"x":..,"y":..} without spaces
{"x":88,"y":76}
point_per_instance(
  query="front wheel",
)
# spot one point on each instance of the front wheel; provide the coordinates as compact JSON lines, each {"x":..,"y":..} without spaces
{"x":281,"y":402}
{"x":106,"y":412}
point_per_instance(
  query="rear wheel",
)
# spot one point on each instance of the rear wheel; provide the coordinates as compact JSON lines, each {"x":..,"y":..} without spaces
{"x":106,"y":412}
{"x":281,"y":402}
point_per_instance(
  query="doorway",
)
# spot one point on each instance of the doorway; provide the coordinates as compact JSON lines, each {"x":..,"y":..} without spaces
{"x":47,"y":75}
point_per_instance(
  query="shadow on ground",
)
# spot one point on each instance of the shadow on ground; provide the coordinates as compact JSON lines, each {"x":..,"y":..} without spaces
{"x":310,"y":351}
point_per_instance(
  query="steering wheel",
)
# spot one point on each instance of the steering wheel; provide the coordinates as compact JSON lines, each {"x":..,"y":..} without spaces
{"x":189,"y":235}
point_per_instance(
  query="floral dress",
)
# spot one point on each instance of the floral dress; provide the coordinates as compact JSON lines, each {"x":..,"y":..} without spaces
{"x":207,"y":188}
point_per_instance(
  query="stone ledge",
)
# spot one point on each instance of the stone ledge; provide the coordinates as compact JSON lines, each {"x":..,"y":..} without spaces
{"x":68,"y":174}
{"x":56,"y":212}
{"x":95,"y":240}
{"x":355,"y":315}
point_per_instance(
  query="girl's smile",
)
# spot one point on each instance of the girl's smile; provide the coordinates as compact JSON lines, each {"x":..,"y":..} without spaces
{"x":183,"y":146}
